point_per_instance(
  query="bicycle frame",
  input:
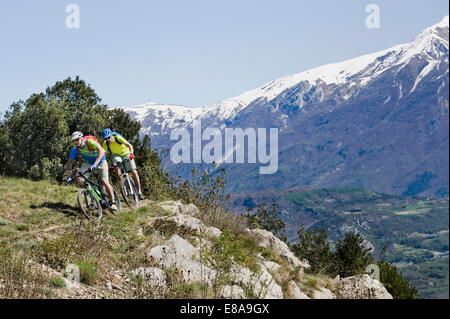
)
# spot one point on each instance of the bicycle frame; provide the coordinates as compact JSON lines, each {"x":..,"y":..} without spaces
{"x":95,"y":188}
{"x":94,"y":191}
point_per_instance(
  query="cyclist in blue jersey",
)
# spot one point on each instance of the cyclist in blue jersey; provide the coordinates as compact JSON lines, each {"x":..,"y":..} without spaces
{"x":94,"y":155}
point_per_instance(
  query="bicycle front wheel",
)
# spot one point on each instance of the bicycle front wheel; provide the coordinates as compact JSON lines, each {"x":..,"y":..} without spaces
{"x":129,"y":193}
{"x":117,"y":200}
{"x":89,"y":204}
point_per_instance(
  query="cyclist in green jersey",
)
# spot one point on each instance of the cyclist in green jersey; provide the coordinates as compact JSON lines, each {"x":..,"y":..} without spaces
{"x":95,"y":156}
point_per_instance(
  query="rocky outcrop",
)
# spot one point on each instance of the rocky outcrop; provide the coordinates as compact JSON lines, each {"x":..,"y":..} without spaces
{"x":155,"y":276}
{"x":268,"y":240}
{"x":192,"y":223}
{"x":233,"y":292}
{"x":361,"y":287}
{"x":323,"y":293}
{"x":180,"y":254}
{"x":177,"y":207}
{"x":294,"y":292}
{"x":258,"y":284}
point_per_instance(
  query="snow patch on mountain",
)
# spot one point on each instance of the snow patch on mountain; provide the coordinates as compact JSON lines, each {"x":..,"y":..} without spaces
{"x":431,"y":44}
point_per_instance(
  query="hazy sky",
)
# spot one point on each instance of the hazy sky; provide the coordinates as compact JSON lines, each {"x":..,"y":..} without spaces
{"x":191,"y":53}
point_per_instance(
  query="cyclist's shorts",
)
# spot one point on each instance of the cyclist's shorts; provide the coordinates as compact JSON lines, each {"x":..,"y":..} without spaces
{"x":102,"y":170}
{"x":120,"y":158}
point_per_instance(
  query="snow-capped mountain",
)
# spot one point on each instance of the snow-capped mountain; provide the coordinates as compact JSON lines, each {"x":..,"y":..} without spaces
{"x":341,"y":123}
{"x":430,"y":45}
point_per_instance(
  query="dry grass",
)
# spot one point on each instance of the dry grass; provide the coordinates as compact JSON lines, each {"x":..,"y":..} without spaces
{"x":19,"y":278}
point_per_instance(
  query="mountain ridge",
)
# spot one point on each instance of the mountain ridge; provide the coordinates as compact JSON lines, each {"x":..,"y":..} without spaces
{"x":379,"y":121}
{"x":328,"y":73}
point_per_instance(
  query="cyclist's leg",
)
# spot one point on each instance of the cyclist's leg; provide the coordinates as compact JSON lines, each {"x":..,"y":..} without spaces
{"x":137,"y":182}
{"x":115,"y":160}
{"x":102,"y":170}
{"x":131,"y":166}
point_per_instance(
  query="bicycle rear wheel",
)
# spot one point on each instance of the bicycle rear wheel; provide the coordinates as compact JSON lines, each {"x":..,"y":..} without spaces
{"x":89,"y":204}
{"x":129,"y":193}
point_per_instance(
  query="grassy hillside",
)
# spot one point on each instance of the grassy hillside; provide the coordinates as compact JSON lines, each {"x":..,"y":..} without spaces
{"x":40,"y":225}
{"x":42,"y":233}
{"x":31,"y":209}
{"x":414,"y":230}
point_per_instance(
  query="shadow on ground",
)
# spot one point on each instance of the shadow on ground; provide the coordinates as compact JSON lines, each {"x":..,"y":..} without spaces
{"x":59,"y":207}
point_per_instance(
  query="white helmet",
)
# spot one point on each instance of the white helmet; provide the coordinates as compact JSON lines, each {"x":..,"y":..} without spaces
{"x":77,"y":135}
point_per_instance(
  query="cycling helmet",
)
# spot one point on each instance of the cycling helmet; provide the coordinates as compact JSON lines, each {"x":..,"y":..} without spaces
{"x":77,"y":135}
{"x":106,"y":133}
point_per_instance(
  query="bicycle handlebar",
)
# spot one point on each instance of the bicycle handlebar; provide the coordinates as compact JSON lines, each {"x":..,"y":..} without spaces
{"x":82,"y":174}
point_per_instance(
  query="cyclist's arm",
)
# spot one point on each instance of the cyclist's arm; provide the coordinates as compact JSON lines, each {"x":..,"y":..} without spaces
{"x":121,"y":139}
{"x":72,"y":157}
{"x":69,"y":167}
{"x":130,"y":147}
{"x":101,"y":153}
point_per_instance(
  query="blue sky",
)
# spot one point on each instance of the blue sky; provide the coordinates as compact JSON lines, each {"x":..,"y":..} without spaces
{"x":193,"y":52}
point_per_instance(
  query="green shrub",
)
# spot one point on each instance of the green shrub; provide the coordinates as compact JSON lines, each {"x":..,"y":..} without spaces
{"x":88,"y":272}
{"x":394,"y":282}
{"x":224,"y":252}
{"x":57,"y":282}
{"x":313,"y":246}
{"x":170,"y":227}
{"x":205,"y":190}
{"x":351,"y":256}
{"x":22,"y":227}
{"x":79,"y":244}
{"x":4,"y":221}
{"x":58,"y":252}
{"x":179,"y":289}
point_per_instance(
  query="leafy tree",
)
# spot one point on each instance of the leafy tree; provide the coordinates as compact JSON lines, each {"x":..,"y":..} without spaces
{"x":81,"y":105}
{"x":351,"y":256}
{"x":35,"y":134}
{"x":313,"y":246}
{"x":4,"y":149}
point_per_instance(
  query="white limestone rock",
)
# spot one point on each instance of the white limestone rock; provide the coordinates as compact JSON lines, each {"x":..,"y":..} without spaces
{"x":232,"y":292}
{"x":295,"y":292}
{"x":190,"y":222}
{"x":323,"y":293}
{"x":361,"y":287}
{"x":180,"y":254}
{"x":262,"y":284}
{"x":268,"y":240}
{"x":177,"y":207}
{"x":155,"y":276}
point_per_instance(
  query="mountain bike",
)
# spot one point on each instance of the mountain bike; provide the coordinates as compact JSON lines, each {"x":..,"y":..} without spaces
{"x":127,"y":186}
{"x":92,"y":200}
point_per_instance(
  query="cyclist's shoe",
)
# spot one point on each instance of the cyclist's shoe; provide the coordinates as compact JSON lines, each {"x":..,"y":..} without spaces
{"x":113,"y":207}
{"x":141,"y":196}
